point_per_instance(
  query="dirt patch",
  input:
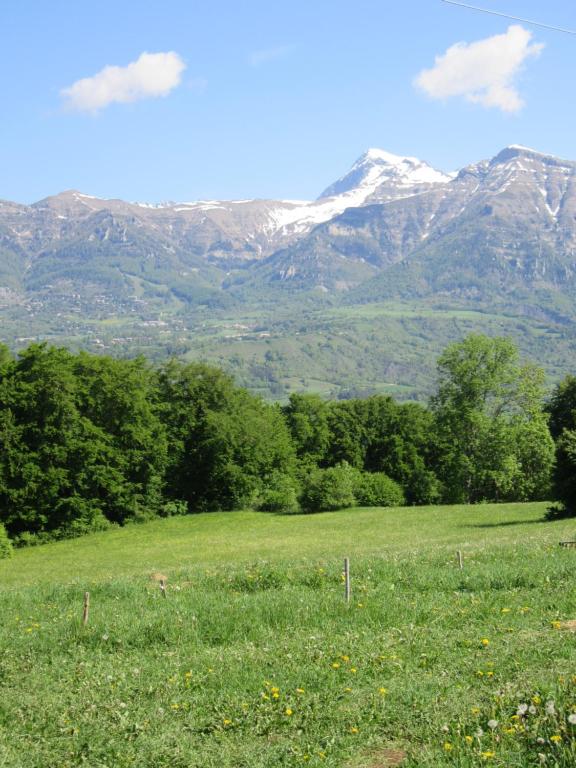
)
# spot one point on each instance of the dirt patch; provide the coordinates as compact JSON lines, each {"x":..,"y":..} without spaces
{"x":570,"y":625}
{"x":386,"y":758}
{"x":156,"y":576}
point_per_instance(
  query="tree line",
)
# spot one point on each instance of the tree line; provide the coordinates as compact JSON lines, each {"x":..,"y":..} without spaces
{"x":88,"y":441}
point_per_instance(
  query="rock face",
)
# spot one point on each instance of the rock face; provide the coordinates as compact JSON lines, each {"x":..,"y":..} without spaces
{"x":390,"y":226}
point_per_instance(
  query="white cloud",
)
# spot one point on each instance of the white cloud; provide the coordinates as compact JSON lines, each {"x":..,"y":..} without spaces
{"x":483,"y":72}
{"x":150,"y":76}
{"x":269,"y":54}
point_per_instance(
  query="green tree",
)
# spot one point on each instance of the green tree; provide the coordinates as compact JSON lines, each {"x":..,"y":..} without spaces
{"x":225,"y":445}
{"x":307,"y":419}
{"x":562,"y":410}
{"x":493,"y":437}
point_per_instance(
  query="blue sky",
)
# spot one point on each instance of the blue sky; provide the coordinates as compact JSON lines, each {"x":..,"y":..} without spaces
{"x":264,"y":99}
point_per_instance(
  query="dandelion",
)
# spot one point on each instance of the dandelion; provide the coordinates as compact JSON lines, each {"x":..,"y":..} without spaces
{"x":572,"y":719}
{"x":384,"y":691}
{"x":335,"y":665}
{"x":488,"y":755}
{"x":299,"y":690}
{"x":468,"y":739}
{"x":532,"y":709}
{"x":485,"y":642}
{"x":556,"y":738}
{"x":353,"y":670}
{"x":448,"y":747}
{"x":556,"y":624}
{"x":492,"y":724}
{"x":505,"y":610}
{"x":522,"y":709}
{"x":475,"y":710}
{"x":227,"y":722}
{"x":536,"y":699}
{"x":288,"y":712}
{"x":550,"y":708}
{"x":353,"y":729}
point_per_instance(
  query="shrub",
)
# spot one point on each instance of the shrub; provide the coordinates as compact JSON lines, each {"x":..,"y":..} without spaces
{"x":422,"y":487}
{"x":173,"y":508}
{"x":329,"y":489}
{"x":280,"y":495}
{"x":5,"y":543}
{"x":376,"y":489}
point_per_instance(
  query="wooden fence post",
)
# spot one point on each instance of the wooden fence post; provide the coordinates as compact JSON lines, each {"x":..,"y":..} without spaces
{"x":86,"y":611}
{"x":459,"y":559}
{"x":347,"y":578}
{"x":163,"y":587}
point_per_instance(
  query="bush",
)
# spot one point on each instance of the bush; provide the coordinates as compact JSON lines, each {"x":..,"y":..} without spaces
{"x":5,"y":543}
{"x":329,"y":489}
{"x":280,"y":495}
{"x":173,"y":508}
{"x":376,"y":489}
{"x":422,"y":487}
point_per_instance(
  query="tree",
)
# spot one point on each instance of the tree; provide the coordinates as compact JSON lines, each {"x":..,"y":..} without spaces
{"x":562,"y":410}
{"x":493,"y":438}
{"x":307,"y":419}
{"x":225,"y":445}
{"x":80,"y":444}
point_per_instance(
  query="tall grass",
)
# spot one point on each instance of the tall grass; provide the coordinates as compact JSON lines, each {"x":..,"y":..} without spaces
{"x":255,"y":660}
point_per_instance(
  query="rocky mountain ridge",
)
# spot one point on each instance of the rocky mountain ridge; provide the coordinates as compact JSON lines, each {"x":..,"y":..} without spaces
{"x":391,"y":227}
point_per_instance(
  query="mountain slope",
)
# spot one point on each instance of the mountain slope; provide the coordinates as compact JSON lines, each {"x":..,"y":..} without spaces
{"x":411,"y":257}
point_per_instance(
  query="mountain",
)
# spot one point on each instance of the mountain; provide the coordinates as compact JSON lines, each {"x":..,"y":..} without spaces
{"x":496,"y":225}
{"x":279,"y":291}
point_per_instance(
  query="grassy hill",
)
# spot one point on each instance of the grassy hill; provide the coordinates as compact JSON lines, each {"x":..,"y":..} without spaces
{"x":254,"y":659}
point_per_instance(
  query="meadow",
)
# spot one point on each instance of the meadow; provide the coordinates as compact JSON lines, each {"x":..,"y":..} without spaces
{"x":255,"y":660}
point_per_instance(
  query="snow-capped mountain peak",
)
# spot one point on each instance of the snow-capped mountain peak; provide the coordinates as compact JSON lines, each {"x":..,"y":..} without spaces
{"x":379,"y":171}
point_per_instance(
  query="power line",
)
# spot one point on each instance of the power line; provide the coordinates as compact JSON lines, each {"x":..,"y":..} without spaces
{"x":508,"y":16}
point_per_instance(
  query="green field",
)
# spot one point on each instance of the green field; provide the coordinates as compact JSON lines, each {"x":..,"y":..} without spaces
{"x":254,"y":660}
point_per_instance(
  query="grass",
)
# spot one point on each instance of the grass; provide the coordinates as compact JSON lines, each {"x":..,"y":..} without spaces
{"x":255,"y":661}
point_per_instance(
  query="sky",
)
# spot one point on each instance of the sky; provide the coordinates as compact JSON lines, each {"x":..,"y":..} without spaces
{"x":158,"y":100}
